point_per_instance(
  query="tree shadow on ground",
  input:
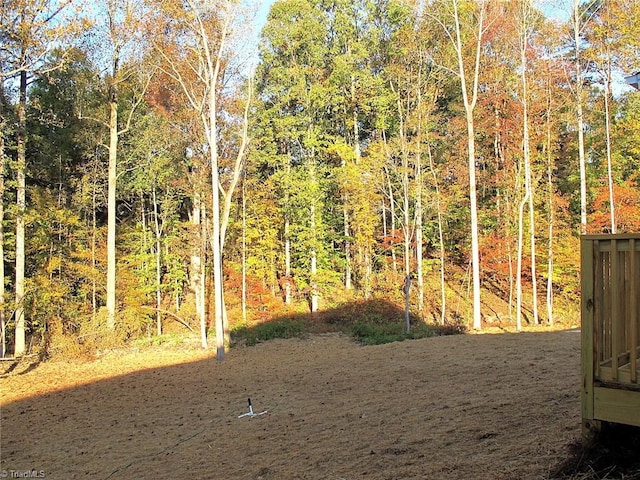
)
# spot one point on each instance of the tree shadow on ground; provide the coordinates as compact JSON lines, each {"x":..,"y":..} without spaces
{"x":20,"y":365}
{"x":334,"y":411}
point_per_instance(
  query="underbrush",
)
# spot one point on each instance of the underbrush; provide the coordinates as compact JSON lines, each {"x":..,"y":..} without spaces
{"x":371,"y":322}
{"x":376,"y":334}
{"x":263,"y":332}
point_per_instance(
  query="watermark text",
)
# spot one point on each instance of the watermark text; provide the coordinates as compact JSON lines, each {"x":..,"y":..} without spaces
{"x":33,"y":473}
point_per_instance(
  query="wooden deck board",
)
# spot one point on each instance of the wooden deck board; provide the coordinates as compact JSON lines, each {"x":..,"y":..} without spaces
{"x":617,"y":405}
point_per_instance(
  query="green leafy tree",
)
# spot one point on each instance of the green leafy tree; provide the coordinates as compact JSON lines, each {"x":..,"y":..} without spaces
{"x":30,"y":31}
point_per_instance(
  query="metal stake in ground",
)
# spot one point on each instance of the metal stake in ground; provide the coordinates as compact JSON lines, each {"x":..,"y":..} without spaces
{"x":250,"y":413}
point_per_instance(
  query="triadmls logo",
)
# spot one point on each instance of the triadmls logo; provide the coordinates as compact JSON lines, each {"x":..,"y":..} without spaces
{"x":22,"y":473}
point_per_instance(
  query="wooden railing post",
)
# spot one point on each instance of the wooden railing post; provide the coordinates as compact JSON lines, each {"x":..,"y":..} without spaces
{"x":587,"y":309}
{"x":633,"y":311}
{"x":615,"y":319}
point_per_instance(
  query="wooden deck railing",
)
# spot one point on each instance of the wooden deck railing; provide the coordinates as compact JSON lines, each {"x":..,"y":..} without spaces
{"x":615,"y":308}
{"x":610,"y":327}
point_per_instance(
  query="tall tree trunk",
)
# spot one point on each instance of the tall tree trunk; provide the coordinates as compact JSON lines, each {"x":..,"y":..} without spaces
{"x":383,"y":212}
{"x":198,"y":267}
{"x":347,"y":244}
{"x":287,"y":242}
{"x":579,"y":117}
{"x":347,"y":248}
{"x":244,"y":252}
{"x":287,"y":262}
{"x":94,"y":229}
{"x":3,"y":325}
{"x":607,"y":119}
{"x":357,"y":156}
{"x":550,"y":207}
{"x":314,"y":268}
{"x":313,"y":254}
{"x":406,"y":227}
{"x":112,"y":169}
{"x":216,"y":240}
{"x":532,"y":244}
{"x":158,"y":248}
{"x":443,"y":295}
{"x":19,"y":348}
{"x":368,"y":272}
{"x":511,"y":282}
{"x":202,"y":280}
{"x":418,"y":206}
{"x":419,"y":246}
{"x":469,"y":106}
{"x":473,"y":206}
{"x":521,"y":206}
{"x":526,"y":150}
{"x":111,"y":211}
{"x":392,"y":214}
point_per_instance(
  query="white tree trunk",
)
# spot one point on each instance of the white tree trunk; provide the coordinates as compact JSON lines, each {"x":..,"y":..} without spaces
{"x":418,"y":205}
{"x":216,"y":245}
{"x":287,"y":245}
{"x":443,"y":293}
{"x":607,"y":117}
{"x":20,"y":344}
{"x":392,"y":214}
{"x":197,"y":270}
{"x":313,"y":254}
{"x":111,"y":214}
{"x":550,"y":208}
{"x":3,"y":326}
{"x":419,"y":246}
{"x":347,"y":248}
{"x":523,"y":202}
{"x":244,"y":253}
{"x":406,"y":224}
{"x":94,"y":259}
{"x":287,"y":263}
{"x":526,"y":150}
{"x":469,"y":106}
{"x":202,"y":271}
{"x":579,"y":117}
{"x":158,"y":258}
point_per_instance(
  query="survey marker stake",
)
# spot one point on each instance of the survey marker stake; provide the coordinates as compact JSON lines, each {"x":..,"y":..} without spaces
{"x":250,"y":412}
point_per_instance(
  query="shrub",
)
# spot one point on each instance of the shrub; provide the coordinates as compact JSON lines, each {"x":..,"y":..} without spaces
{"x":251,"y":335}
{"x":377,"y":334}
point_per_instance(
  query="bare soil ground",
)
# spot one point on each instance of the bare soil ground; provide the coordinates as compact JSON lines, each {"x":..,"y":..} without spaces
{"x":492,"y":407}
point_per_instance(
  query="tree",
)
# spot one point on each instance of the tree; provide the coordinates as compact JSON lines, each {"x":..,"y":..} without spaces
{"x":464,"y":24}
{"x":603,"y":36}
{"x":526,"y":16}
{"x":198,"y":72}
{"x":292,"y":96}
{"x":3,"y":323}
{"x":31,"y":30}
{"x":122,"y":25}
{"x":578,"y":21}
{"x":156,"y":173}
{"x":60,"y":147}
{"x":610,"y":39}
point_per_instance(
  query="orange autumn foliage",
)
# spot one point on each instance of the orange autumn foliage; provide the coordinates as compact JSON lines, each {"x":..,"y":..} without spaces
{"x":627,"y":209}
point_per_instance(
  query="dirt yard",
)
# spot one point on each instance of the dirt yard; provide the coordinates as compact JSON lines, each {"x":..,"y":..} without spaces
{"x":461,"y":407}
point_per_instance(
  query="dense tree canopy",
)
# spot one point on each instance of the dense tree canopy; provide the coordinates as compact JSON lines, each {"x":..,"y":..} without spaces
{"x":376,"y":143}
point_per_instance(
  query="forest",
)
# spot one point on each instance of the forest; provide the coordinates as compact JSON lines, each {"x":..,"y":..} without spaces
{"x":164,"y":173}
